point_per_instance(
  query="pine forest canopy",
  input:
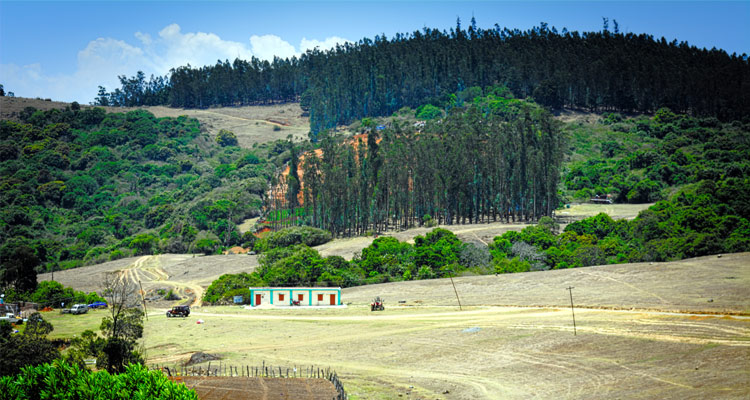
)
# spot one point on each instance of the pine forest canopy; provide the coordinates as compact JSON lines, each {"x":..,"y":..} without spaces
{"x":495,"y":158}
{"x":599,"y":71}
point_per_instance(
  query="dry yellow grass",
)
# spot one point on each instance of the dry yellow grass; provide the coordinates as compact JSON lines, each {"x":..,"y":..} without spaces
{"x":644,"y":331}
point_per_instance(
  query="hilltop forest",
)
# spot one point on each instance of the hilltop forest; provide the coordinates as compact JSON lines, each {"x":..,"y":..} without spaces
{"x":595,"y":71}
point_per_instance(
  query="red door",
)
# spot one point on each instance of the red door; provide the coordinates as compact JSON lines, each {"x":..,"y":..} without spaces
{"x":257,"y":299}
{"x":333,"y":299}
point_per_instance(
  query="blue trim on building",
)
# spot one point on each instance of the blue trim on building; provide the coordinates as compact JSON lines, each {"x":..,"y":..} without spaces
{"x":273,"y":291}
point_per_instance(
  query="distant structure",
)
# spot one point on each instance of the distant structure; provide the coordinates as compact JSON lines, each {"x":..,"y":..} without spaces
{"x":602,"y":199}
{"x":295,"y":296}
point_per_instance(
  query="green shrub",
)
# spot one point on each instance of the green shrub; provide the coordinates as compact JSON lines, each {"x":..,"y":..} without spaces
{"x":306,"y":235}
{"x":229,"y":285}
{"x":428,"y":111}
{"x":62,"y":380}
{"x":226,"y":138}
{"x":25,"y":349}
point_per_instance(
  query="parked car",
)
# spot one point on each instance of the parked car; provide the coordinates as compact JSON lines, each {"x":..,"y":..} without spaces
{"x":179,"y":311}
{"x":79,"y":309}
{"x":11,"y":318}
{"x":98,"y":304}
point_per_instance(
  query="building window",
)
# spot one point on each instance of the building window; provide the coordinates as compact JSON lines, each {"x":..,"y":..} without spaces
{"x":320,"y":297}
{"x":281,"y":297}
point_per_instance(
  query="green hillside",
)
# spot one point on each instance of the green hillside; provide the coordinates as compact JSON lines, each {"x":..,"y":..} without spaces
{"x":83,"y":186}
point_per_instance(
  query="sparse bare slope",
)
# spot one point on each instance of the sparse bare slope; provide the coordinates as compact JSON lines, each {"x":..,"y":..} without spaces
{"x":251,"y":124}
{"x":185,"y":274}
{"x":700,"y":285}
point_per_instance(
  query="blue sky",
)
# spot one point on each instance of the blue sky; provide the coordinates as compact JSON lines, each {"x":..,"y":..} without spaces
{"x":64,"y":50}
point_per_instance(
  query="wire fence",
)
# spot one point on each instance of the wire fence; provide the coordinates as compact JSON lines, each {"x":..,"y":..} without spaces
{"x":259,"y":371}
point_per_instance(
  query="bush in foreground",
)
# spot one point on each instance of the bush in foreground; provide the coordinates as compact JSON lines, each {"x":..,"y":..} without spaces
{"x":61,"y":380}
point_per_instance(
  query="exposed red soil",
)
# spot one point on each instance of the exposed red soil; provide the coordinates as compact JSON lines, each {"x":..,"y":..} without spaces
{"x":244,"y":388}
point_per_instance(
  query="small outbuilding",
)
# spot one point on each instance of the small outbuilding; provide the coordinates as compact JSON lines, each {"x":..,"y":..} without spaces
{"x":302,"y":296}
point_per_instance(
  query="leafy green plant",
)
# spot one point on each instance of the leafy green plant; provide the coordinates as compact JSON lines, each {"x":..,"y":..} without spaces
{"x":63,"y":380}
{"x":226,"y":138}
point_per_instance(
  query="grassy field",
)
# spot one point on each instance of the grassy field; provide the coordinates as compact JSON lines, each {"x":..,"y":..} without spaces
{"x":675,"y":330}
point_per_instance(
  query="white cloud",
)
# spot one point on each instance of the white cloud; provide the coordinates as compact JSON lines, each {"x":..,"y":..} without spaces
{"x":326,"y":44}
{"x":267,"y":46}
{"x":174,"y":48}
{"x":103,"y":59}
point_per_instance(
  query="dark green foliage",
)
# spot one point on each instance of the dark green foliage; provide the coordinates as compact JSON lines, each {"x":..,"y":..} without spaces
{"x":84,"y":186}
{"x":306,"y":235}
{"x":297,"y":265}
{"x":248,"y":240}
{"x":206,"y":246}
{"x":36,"y":327}
{"x":228,"y":286}
{"x":428,"y":111}
{"x":491,"y":160}
{"x":226,"y":138}
{"x":696,"y":222}
{"x":436,"y":250}
{"x":62,"y":380}
{"x":121,"y":332}
{"x":29,"y":348}
{"x":377,"y":77}
{"x":87,"y":345}
{"x":53,"y":294}
{"x":437,"y":254}
{"x":652,"y":155}
{"x":18,"y":266}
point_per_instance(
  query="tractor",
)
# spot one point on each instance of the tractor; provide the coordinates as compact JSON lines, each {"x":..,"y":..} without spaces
{"x":377,"y":304}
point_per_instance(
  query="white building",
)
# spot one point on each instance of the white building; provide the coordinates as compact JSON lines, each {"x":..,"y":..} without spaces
{"x":284,"y":296}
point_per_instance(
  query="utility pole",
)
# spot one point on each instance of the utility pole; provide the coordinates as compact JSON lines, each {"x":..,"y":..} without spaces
{"x":143,"y":299}
{"x":450,"y":274}
{"x":570,"y":289}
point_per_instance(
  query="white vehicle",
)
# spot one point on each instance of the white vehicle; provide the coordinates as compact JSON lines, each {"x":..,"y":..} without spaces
{"x":79,"y":309}
{"x":11,"y":318}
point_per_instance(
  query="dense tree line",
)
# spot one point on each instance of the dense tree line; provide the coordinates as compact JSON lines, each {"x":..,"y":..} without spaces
{"x":438,"y":253}
{"x":493,"y":159}
{"x":598,"y":71}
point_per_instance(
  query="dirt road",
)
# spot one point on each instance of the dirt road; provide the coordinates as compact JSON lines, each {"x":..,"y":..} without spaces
{"x":186,"y":275}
